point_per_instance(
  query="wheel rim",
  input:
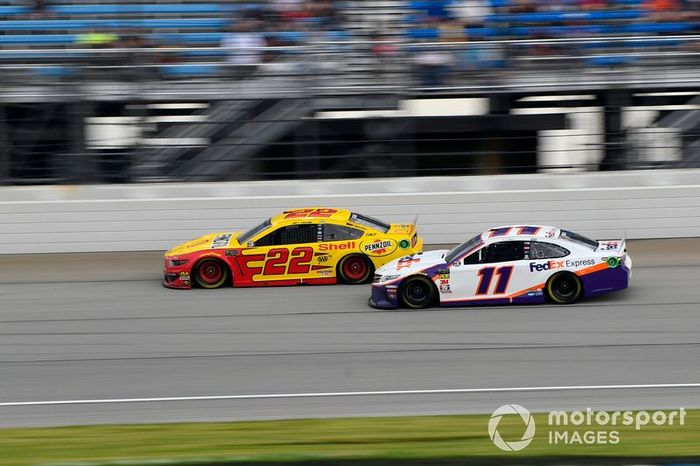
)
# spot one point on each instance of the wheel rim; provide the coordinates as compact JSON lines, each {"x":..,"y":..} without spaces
{"x":417,"y":292}
{"x":355,"y":269}
{"x":210,"y":273}
{"x":565,"y":288}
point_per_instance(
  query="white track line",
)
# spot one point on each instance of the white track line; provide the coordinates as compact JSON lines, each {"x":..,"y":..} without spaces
{"x":339,"y":394}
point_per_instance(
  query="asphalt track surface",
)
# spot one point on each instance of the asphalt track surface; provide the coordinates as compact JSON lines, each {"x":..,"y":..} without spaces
{"x":88,"y":339}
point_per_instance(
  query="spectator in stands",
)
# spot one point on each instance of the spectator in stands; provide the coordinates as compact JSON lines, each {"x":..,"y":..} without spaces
{"x":592,"y":4}
{"x":39,"y":9}
{"x":663,"y":10}
{"x":521,"y":6}
{"x":433,"y":60}
{"x":438,"y":9}
{"x":472,"y":13}
{"x":97,"y":61}
{"x":385,"y":51}
{"x":134,"y":44}
{"x":95,"y":39}
{"x":246,"y":47}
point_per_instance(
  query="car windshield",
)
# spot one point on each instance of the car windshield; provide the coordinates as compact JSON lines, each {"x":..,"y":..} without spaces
{"x":463,"y":248}
{"x":579,"y":239}
{"x":254,"y":231}
{"x":369,"y":222}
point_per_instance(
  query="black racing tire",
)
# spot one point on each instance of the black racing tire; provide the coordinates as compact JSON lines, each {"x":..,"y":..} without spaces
{"x":210,"y":273}
{"x":418,"y":292}
{"x":355,"y":269}
{"x":564,"y":288}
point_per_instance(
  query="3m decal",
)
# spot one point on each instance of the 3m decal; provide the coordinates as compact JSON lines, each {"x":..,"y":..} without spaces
{"x":486,"y":276}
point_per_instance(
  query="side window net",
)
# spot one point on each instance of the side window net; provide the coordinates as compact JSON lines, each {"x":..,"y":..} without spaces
{"x":296,"y":234}
{"x":333,"y":232}
{"x":540,"y":250}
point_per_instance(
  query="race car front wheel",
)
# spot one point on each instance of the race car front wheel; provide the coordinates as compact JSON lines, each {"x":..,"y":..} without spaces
{"x":210,"y":273}
{"x":355,"y":269}
{"x":564,"y":288}
{"x":418,"y":293}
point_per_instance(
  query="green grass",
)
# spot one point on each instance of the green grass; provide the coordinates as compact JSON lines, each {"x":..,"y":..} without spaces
{"x":376,"y":440}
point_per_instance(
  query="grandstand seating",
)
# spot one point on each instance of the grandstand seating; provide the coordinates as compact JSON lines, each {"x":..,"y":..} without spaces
{"x":523,"y":25}
{"x":203,"y":24}
{"x":622,"y":18}
{"x":191,"y":24}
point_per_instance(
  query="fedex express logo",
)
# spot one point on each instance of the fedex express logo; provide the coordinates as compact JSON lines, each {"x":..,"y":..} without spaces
{"x":558,"y":264}
{"x":549,"y":265}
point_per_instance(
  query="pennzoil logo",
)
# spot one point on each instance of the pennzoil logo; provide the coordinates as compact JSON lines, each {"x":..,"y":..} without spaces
{"x":379,"y":247}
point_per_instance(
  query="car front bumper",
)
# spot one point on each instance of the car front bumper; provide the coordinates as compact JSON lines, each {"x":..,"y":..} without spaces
{"x":177,"y":277}
{"x":384,"y":296}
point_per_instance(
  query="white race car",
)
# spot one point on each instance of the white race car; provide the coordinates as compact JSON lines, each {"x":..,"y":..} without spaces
{"x":511,"y":264}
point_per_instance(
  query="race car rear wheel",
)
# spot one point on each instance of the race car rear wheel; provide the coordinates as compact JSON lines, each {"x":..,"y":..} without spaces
{"x":355,"y":269}
{"x":564,"y":288}
{"x":418,"y":292}
{"x":210,"y":273}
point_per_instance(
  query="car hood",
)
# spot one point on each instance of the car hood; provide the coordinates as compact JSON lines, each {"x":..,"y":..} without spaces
{"x":409,"y":265}
{"x":212,"y":241}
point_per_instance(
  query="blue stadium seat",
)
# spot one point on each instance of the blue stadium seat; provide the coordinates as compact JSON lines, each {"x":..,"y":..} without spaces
{"x":426,"y":34}
{"x":14,"y":10}
{"x":567,"y":16}
{"x":612,"y":60}
{"x":163,"y":8}
{"x":657,"y":28}
{"x":38,"y":39}
{"x":634,"y":44}
{"x":194,"y":38}
{"x":186,"y":70}
{"x":66,"y":25}
{"x":55,"y":71}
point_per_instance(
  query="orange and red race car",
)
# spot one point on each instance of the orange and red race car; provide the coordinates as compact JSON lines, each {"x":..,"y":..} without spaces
{"x":311,"y":246}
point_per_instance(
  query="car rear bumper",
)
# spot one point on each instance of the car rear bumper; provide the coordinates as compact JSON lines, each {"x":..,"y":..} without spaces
{"x":606,"y":280}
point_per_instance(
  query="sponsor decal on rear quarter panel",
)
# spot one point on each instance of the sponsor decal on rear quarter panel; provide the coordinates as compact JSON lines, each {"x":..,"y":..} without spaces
{"x":379,"y":247}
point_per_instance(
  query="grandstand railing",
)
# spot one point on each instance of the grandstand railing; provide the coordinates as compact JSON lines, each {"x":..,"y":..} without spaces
{"x":352,"y":66}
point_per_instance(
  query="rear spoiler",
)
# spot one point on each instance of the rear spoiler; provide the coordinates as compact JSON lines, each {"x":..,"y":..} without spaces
{"x":615,"y":246}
